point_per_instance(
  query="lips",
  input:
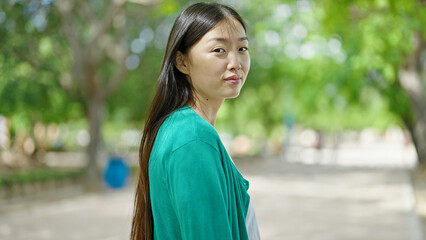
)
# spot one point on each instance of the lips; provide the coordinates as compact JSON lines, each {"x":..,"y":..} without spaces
{"x":234,"y":79}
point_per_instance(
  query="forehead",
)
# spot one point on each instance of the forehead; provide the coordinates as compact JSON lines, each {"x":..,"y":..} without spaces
{"x":227,"y":28}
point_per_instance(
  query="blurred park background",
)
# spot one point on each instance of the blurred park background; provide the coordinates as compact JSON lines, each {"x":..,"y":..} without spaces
{"x":334,"y":85}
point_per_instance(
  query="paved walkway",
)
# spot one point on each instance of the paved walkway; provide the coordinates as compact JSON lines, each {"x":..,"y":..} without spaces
{"x":300,"y":202}
{"x":292,"y":202}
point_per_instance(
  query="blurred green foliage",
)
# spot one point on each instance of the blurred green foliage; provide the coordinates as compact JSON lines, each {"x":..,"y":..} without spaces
{"x":324,"y":64}
{"x":30,"y":86}
{"x":20,"y":177}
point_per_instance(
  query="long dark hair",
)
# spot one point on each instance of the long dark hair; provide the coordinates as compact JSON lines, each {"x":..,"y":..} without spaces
{"x":173,"y":91}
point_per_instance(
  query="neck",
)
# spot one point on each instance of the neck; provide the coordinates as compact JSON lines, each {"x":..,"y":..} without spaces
{"x":207,"y":109}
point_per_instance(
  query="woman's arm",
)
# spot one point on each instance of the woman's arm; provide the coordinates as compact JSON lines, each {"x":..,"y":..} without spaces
{"x":198,"y":191}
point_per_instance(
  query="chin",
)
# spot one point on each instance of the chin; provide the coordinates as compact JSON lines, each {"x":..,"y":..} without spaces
{"x":233,"y":95}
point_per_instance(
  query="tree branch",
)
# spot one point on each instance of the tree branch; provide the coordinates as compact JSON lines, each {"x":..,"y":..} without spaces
{"x":115,"y":80}
{"x":71,"y":34}
{"x":106,"y":21}
{"x":86,"y":13}
{"x":411,"y":79}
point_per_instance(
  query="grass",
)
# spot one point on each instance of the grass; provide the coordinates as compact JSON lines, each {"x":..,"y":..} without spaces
{"x":10,"y":178}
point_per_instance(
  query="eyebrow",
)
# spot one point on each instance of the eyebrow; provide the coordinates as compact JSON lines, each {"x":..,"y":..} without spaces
{"x":227,"y":40}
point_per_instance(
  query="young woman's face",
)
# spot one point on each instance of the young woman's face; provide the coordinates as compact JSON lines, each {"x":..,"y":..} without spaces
{"x":218,"y":64}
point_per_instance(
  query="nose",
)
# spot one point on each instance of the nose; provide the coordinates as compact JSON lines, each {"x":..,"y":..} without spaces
{"x":234,"y":61}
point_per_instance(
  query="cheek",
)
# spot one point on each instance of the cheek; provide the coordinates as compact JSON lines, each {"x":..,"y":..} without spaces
{"x":211,"y":66}
{"x":202,"y":64}
{"x":246,"y":64}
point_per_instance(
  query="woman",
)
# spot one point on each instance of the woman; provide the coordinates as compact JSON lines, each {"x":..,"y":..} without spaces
{"x":189,"y":187}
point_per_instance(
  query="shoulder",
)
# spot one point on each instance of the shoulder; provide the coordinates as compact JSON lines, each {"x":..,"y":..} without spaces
{"x":185,"y":126}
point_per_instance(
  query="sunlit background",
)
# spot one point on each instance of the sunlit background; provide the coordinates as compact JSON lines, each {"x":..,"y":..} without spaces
{"x":330,"y":127}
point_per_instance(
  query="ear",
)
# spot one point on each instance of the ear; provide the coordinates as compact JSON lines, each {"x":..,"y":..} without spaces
{"x":181,"y":63}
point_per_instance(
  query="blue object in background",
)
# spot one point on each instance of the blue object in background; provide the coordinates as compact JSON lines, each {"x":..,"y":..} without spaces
{"x":116,"y":173}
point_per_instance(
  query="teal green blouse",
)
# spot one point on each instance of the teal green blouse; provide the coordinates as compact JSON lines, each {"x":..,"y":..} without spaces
{"x":196,"y":190}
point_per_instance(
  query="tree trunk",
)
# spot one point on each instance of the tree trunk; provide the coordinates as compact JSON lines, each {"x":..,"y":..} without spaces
{"x":420,"y":135}
{"x":411,"y":81}
{"x":95,"y":114}
{"x":417,"y":143}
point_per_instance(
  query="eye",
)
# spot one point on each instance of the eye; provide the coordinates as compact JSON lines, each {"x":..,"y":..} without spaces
{"x":219,"y":50}
{"x":244,"y":49}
